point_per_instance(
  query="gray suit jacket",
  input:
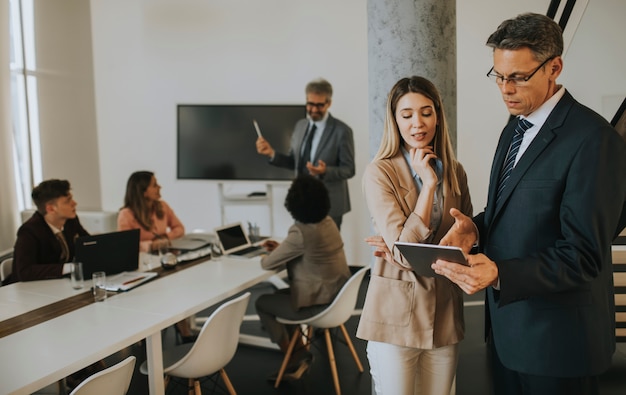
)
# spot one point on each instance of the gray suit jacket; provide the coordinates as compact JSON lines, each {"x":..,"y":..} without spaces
{"x":336,"y":149}
{"x":315,"y":261}
{"x":550,"y":236}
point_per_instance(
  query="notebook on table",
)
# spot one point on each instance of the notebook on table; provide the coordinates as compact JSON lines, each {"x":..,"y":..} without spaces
{"x":234,"y":241}
{"x":128,"y":280}
{"x":116,"y":254}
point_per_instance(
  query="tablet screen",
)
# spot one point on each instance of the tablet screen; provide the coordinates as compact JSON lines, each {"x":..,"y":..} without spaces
{"x":421,"y":256}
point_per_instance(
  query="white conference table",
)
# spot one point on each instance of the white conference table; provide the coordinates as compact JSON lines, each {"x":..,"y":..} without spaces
{"x":45,"y":353}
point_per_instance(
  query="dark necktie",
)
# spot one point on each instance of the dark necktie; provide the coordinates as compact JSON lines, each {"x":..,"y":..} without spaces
{"x":306,"y":152}
{"x":65,"y":251}
{"x":522,"y":126}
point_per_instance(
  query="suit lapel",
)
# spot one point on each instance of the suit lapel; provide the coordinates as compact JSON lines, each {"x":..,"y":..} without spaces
{"x":539,"y":143}
{"x":298,"y":137}
{"x":406,"y":186}
{"x":544,"y":137}
{"x":326,"y":136}
{"x":496,"y":167}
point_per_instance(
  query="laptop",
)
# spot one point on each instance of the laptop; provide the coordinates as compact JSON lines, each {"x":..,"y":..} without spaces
{"x":116,"y":254}
{"x":234,"y":241}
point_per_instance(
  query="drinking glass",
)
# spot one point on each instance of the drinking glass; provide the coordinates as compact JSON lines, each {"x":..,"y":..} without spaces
{"x":76,"y":275}
{"x":99,"y":286}
{"x":216,"y":252}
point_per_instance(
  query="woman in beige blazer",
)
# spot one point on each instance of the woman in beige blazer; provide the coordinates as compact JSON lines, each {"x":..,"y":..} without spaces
{"x":413,"y":324}
{"x":316,"y":266}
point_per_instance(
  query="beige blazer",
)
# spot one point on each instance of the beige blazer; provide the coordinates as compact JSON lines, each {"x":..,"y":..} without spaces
{"x":315,"y":261}
{"x":400,"y":307}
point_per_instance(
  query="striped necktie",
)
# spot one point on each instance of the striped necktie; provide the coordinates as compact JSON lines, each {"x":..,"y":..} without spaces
{"x":522,"y":126}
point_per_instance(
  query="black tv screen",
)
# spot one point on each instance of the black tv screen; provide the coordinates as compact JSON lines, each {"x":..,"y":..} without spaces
{"x":217,"y":142}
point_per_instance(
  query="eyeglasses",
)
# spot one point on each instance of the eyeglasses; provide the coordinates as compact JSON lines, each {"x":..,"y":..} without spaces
{"x":517,"y":81}
{"x":319,"y":106}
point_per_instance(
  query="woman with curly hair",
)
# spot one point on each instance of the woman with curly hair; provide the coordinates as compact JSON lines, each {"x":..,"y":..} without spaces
{"x":316,"y":265}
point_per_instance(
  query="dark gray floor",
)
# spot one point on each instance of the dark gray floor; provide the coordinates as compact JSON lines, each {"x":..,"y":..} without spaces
{"x":251,"y":365}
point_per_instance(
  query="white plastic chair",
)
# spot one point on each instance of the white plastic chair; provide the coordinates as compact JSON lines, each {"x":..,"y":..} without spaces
{"x":6,"y":267}
{"x":335,"y":315}
{"x":213,"y":349}
{"x":114,"y":380}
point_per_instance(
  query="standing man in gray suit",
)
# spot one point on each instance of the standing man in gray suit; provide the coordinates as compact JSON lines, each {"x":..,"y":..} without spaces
{"x":322,"y":146}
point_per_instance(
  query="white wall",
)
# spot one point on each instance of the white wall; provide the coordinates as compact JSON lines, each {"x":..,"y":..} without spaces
{"x":150,"y":55}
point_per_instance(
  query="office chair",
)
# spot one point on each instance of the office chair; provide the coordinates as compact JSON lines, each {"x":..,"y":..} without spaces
{"x":335,"y":315}
{"x":114,"y":380}
{"x":6,"y":267}
{"x":213,"y":349}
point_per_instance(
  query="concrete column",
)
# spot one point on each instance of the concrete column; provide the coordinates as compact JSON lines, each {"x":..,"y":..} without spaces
{"x":405,"y":38}
{"x":8,"y":202}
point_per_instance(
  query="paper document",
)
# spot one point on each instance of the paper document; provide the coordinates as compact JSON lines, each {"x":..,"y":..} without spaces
{"x":256,"y":126}
{"x":128,"y":280}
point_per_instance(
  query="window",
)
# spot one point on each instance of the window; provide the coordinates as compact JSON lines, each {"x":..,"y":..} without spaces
{"x":24,"y":101}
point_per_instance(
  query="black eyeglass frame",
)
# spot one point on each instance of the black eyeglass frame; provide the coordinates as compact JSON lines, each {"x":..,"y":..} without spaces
{"x":516,"y":80}
{"x":319,"y":106}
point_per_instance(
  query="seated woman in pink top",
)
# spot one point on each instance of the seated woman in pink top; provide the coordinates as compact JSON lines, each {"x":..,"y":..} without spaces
{"x":144,"y":210}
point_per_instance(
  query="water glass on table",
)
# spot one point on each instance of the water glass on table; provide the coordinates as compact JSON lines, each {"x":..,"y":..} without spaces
{"x":99,"y":286}
{"x":76,"y":275}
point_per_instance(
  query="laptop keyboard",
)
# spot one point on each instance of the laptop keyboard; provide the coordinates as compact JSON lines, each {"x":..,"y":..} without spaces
{"x":248,"y":250}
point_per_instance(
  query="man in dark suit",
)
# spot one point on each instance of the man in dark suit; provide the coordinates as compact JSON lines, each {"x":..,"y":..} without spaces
{"x":322,"y":146}
{"x":546,"y":232}
{"x":45,"y":242}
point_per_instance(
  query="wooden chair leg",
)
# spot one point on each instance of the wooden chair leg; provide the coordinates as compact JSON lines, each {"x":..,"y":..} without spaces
{"x":283,"y":366}
{"x":308,"y":337}
{"x":351,"y":347}
{"x":190,"y":387}
{"x":333,"y":363}
{"x":229,"y":385}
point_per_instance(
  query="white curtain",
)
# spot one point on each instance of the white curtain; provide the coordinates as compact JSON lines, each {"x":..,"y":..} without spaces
{"x":8,"y":197}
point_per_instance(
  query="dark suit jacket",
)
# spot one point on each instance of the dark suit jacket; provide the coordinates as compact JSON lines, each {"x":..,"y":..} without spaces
{"x":551,"y":238}
{"x":336,"y":149}
{"x":37,"y":251}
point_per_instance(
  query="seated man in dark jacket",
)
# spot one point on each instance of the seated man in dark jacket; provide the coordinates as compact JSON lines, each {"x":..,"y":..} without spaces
{"x":45,"y":245}
{"x":45,"y":242}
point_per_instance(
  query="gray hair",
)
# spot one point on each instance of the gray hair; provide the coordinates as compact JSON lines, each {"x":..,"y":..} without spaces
{"x":539,"y":33}
{"x":320,"y":87}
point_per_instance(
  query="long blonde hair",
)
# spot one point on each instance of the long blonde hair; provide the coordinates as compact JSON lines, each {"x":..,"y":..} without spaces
{"x":392,"y":139}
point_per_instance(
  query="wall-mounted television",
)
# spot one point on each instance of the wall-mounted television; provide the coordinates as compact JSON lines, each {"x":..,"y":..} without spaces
{"x":217,"y":142}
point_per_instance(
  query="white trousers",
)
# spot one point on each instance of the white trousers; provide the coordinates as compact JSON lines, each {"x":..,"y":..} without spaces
{"x":400,"y":370}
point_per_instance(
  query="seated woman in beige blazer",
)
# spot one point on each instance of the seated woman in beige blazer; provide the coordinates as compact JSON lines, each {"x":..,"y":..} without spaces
{"x":316,"y":265}
{"x":413,"y":324}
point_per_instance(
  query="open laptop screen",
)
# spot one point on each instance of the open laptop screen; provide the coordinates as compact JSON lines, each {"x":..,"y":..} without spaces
{"x":232,"y":238}
{"x":111,"y":253}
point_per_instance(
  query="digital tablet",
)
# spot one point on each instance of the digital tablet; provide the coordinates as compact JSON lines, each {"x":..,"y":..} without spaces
{"x":421,"y":256}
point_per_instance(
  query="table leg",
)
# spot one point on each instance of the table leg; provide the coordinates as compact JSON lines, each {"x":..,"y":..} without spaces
{"x":155,"y":364}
